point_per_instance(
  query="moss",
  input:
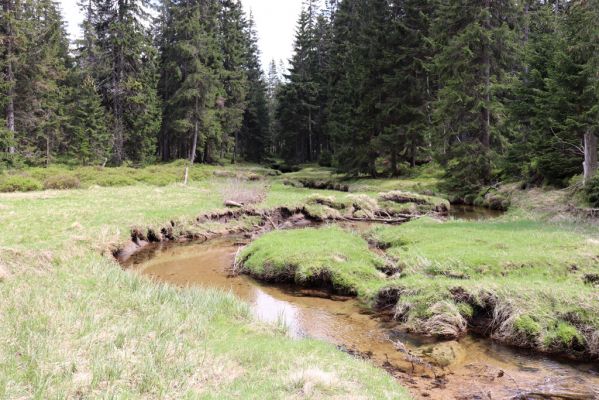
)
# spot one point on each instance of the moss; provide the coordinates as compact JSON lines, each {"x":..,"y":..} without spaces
{"x":466,"y":310}
{"x":527,"y":325}
{"x":563,"y":334}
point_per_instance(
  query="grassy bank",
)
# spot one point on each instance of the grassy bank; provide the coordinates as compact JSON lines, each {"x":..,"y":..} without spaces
{"x":523,"y":282}
{"x":73,"y":324}
{"x":327,"y":256}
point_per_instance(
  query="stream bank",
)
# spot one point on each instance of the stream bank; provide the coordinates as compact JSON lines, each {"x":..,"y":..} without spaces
{"x":466,"y":369}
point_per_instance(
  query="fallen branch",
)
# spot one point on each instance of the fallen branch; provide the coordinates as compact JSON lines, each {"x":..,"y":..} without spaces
{"x":233,"y":204}
{"x":380,"y":220}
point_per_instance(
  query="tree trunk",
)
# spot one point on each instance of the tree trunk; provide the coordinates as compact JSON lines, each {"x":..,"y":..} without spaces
{"x":194,"y":145}
{"x":235,"y":147}
{"x":590,"y":157}
{"x":47,"y":150}
{"x":413,"y":152}
{"x":192,"y":155}
{"x":394,"y":162}
{"x":310,"y":135}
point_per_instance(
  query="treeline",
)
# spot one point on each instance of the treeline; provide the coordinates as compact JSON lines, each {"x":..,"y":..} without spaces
{"x":488,"y":88}
{"x":141,"y":85}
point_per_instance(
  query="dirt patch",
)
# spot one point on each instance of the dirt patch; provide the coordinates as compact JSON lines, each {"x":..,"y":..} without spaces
{"x":3,"y":273}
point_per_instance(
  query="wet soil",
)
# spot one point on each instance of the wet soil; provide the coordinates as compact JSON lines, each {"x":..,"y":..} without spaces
{"x":476,"y":368}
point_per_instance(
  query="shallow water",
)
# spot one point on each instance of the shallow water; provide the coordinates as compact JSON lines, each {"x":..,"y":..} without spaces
{"x":482,"y":369}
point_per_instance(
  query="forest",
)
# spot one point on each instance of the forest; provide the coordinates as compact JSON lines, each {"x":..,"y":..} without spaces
{"x":491,"y":90}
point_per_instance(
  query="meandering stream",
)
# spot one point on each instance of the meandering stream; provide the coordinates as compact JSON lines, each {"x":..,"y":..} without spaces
{"x":478,"y":368}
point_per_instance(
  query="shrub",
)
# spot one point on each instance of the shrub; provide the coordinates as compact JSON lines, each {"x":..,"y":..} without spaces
{"x":62,"y":182}
{"x":592,"y":191}
{"x":114,"y":180}
{"x":18,"y":183}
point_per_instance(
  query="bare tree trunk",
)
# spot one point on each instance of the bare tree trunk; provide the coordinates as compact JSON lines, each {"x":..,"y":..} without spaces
{"x":192,"y":156}
{"x":394,"y":162}
{"x":47,"y":150}
{"x":194,"y":145}
{"x":309,"y":135}
{"x":413,"y":153}
{"x":235,"y":147}
{"x":590,"y":157}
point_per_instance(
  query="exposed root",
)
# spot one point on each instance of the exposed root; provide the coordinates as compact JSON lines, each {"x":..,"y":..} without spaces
{"x":386,"y":299}
{"x":446,"y":322}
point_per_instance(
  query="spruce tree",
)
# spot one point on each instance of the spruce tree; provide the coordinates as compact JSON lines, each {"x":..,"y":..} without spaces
{"x":298,"y":96}
{"x":476,"y":44}
{"x":36,"y":80}
{"x":190,"y":85}
{"x":88,"y":138}
{"x":125,"y":68}
{"x":406,"y":90}
{"x":235,"y":80}
{"x":254,"y":133}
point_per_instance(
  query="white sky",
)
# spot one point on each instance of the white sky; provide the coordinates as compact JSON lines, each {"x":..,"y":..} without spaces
{"x":275,"y":23}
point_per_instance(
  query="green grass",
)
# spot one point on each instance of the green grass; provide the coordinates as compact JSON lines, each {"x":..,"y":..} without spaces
{"x":74,"y":324}
{"x":311,"y":256}
{"x":423,"y":179}
{"x":528,"y":274}
{"x":483,"y":249}
{"x":33,"y":179}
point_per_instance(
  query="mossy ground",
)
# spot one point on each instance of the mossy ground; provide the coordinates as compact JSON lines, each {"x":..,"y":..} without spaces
{"x":74,"y":324}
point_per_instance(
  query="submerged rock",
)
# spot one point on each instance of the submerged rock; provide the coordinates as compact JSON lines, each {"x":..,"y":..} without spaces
{"x":444,"y":354}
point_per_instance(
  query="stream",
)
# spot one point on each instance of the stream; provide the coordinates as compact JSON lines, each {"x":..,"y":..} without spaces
{"x":476,"y":368}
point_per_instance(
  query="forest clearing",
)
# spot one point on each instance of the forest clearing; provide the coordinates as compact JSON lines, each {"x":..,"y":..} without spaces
{"x":299,"y":199}
{"x":81,"y":325}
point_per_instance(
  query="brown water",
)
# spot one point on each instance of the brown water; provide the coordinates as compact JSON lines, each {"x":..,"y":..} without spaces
{"x":481,"y":370}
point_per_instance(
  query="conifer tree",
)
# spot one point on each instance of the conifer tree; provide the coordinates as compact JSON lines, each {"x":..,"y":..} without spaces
{"x":235,"y":80}
{"x":254,"y":134}
{"x":298,"y":96}
{"x":88,"y":139}
{"x":406,"y":90}
{"x":36,"y":72}
{"x":469,"y":110}
{"x":191,"y":86}
{"x":124,"y":66}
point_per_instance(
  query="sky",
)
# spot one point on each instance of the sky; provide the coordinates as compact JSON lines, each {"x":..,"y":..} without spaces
{"x":275,"y":23}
